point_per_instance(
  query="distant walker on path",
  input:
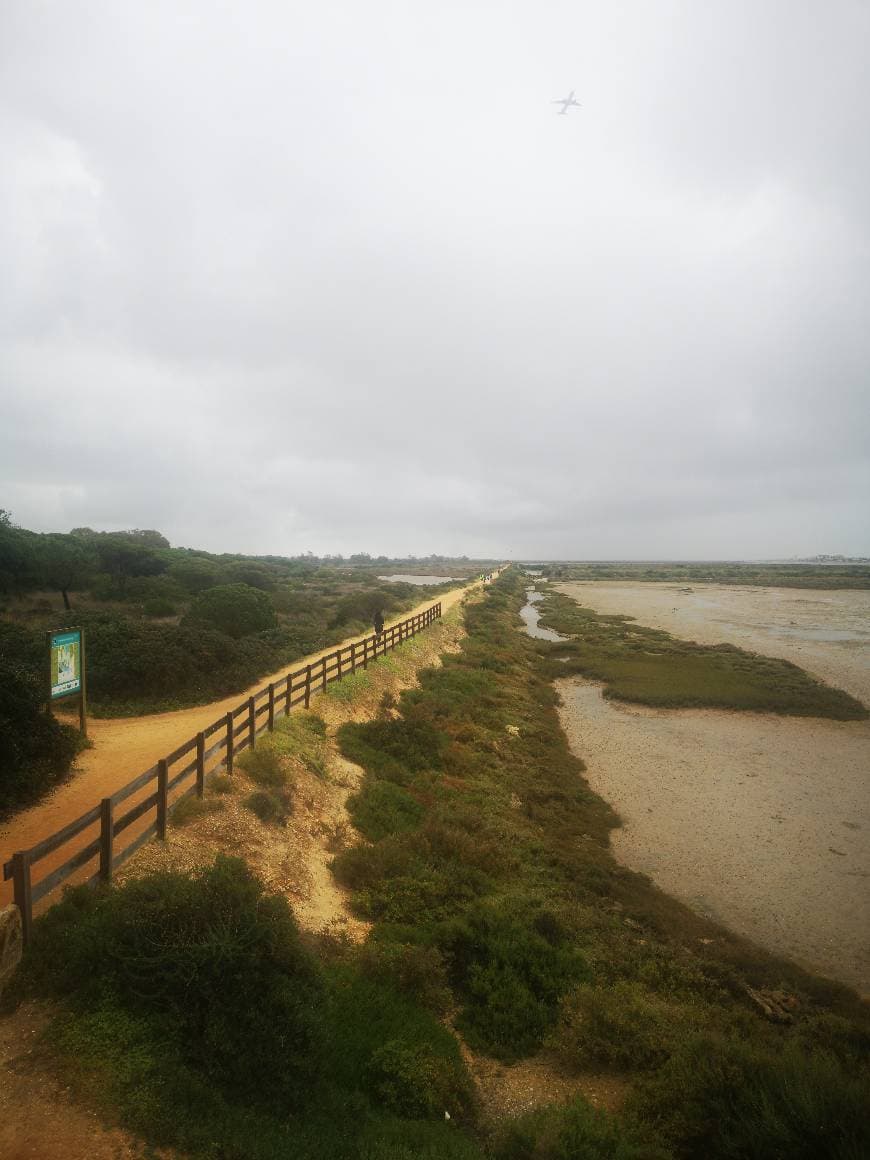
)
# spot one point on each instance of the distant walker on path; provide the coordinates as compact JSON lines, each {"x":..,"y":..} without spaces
{"x":379,"y":622}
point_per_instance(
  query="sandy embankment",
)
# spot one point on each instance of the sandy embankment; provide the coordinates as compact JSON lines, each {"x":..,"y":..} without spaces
{"x":759,"y":821}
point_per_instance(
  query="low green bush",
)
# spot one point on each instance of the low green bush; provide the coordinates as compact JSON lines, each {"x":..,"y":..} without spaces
{"x":728,"y":1099}
{"x":159,"y":606}
{"x":302,"y":735}
{"x":191,"y":808}
{"x":221,"y":783}
{"x":393,"y":750}
{"x":234,"y":609}
{"x":414,"y":969}
{"x":207,"y":967}
{"x":270,"y":806}
{"x":623,"y":1027}
{"x":36,"y":750}
{"x":510,"y":976}
{"x":575,"y":1131}
{"x":381,"y":808}
{"x":263,"y":764}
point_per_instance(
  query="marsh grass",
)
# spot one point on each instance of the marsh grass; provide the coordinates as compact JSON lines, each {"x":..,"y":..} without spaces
{"x":651,"y":667}
{"x":502,"y":865}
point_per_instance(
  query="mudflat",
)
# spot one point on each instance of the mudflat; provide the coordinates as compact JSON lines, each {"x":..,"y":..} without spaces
{"x":759,"y":821}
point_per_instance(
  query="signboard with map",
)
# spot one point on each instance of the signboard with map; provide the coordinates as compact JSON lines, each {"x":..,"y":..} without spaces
{"x":66,"y":663}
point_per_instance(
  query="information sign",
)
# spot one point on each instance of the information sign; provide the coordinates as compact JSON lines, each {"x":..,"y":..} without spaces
{"x":66,"y":663}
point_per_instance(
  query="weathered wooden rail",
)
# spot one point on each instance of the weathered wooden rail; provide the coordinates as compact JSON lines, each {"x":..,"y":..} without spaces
{"x":160,"y":788}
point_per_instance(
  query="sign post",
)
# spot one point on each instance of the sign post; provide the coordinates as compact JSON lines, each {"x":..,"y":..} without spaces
{"x":66,"y":671}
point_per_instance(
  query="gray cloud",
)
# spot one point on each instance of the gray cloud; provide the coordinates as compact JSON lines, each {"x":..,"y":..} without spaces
{"x":280,"y":277}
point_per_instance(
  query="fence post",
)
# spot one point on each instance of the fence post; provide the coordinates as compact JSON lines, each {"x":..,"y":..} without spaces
{"x":353,"y":658}
{"x":365,"y":652}
{"x":200,"y":764}
{"x":107,"y":830}
{"x":22,"y":892}
{"x":307,"y":685}
{"x":252,"y":721}
{"x":338,"y":655}
{"x":230,"y":743}
{"x":162,"y":797}
{"x":271,"y":706}
{"x":289,"y":694}
{"x":323,"y":686}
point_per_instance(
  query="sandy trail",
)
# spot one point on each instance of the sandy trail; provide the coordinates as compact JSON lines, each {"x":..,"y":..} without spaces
{"x":124,"y":747}
{"x":759,"y":821}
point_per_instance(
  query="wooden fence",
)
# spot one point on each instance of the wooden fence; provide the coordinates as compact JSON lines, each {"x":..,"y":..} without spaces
{"x":160,"y":788}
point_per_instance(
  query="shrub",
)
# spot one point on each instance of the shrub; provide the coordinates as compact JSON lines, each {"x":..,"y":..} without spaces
{"x":623,"y":1026}
{"x":36,"y":751}
{"x":207,"y":964}
{"x":302,"y":735}
{"x":221,"y":783}
{"x":270,"y":807}
{"x":191,"y":808}
{"x":393,"y":750}
{"x":381,"y":808}
{"x":158,"y":606}
{"x":263,"y":764}
{"x":235,"y":609}
{"x":412,"y":968}
{"x":725,"y":1099}
{"x":417,"y":1081}
{"x":510,"y":975}
{"x":574,"y":1131}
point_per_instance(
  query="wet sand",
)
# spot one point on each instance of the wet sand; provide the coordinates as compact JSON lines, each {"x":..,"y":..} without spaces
{"x":759,"y":821}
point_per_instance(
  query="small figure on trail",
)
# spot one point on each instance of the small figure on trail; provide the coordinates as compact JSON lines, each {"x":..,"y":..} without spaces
{"x":379,"y":622}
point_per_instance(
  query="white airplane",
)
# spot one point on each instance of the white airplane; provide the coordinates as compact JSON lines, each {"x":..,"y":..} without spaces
{"x":566,"y":104}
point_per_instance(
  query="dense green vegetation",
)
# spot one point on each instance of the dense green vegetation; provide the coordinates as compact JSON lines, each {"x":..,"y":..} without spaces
{"x":766,"y":575}
{"x":497,"y":907}
{"x":170,"y":627}
{"x":652,"y":667}
{"x":189,"y":1006}
{"x":491,"y":854}
{"x":36,"y":751}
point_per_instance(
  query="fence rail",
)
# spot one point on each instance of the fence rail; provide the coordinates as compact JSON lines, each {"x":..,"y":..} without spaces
{"x":162,"y":784}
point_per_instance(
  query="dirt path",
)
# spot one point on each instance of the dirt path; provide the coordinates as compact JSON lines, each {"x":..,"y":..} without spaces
{"x":761,"y":822}
{"x":124,"y":747}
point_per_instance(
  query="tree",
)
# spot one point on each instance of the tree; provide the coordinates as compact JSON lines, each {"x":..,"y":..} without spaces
{"x":17,"y":556}
{"x":122,"y":557}
{"x":64,"y":562}
{"x":235,"y":609}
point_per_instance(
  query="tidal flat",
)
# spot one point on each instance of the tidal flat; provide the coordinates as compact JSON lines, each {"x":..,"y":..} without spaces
{"x":759,"y":821}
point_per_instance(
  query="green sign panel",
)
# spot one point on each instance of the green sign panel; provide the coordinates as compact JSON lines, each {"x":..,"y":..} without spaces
{"x":66,"y":663}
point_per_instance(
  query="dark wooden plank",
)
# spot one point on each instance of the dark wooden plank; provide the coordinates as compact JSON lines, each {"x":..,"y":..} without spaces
{"x":23,"y":892}
{"x":130,"y":788}
{"x":181,"y":751}
{"x":200,"y":764}
{"x":230,"y":743}
{"x":162,"y":799}
{"x":182,"y":774}
{"x":213,"y":749}
{"x":136,"y":812}
{"x":215,"y":725}
{"x":56,"y":877}
{"x":107,"y":830}
{"x":49,"y":845}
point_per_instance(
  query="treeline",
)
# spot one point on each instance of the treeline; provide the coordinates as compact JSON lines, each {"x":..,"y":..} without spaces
{"x":166,"y":627}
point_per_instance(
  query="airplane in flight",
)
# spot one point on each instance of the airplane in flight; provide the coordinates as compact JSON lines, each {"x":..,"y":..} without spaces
{"x":566,"y":104}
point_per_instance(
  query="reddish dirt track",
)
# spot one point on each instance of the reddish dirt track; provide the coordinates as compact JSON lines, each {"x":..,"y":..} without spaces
{"x":122,"y":748}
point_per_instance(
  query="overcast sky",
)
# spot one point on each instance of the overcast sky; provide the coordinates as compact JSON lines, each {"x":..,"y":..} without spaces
{"x":336,"y":276}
